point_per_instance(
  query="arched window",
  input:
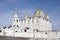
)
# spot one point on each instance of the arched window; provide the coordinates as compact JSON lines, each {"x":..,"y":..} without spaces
{"x":25,"y":30}
{"x":17,"y":26}
{"x":17,"y":20}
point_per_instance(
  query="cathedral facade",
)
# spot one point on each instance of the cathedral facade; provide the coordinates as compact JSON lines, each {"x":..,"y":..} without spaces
{"x":38,"y":22}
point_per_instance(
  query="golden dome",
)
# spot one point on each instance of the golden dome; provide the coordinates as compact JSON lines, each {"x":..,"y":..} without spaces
{"x":40,"y":12}
{"x":37,"y":12}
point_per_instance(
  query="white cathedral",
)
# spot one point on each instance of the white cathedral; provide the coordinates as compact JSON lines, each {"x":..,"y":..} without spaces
{"x":38,"y":22}
{"x":38,"y":26}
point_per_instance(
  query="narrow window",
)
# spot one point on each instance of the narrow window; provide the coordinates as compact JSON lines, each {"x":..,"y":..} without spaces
{"x":25,"y":30}
{"x":0,"y":31}
{"x":17,"y":20}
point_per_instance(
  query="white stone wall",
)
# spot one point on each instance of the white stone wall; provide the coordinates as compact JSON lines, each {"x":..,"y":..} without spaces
{"x":30,"y":34}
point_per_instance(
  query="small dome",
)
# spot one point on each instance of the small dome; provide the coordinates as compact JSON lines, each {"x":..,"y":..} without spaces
{"x":26,"y":15}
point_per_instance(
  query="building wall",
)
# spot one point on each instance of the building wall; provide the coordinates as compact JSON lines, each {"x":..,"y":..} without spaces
{"x":34,"y":23}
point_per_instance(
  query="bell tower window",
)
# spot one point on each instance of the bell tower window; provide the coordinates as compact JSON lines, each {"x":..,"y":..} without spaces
{"x":14,"y":20}
{"x":17,"y":20}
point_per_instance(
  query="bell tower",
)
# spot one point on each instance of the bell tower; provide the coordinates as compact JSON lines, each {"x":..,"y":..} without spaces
{"x":15,"y":18}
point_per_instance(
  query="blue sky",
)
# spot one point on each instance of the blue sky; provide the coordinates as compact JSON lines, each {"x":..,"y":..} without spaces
{"x":7,"y":9}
